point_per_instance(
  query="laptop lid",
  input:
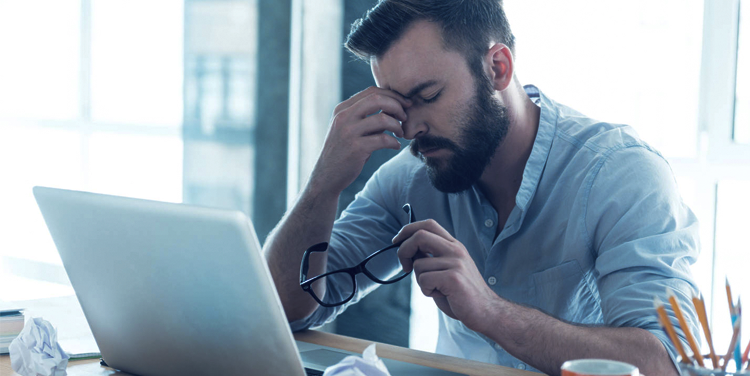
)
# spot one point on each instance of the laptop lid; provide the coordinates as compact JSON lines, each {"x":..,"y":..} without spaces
{"x":170,"y":289}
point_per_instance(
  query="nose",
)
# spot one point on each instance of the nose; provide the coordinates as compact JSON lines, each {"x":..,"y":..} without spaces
{"x":415,"y":125}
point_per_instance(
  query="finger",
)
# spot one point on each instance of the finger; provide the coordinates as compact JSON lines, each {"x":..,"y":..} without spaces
{"x":432,"y":264}
{"x":425,"y":242}
{"x":438,"y":284}
{"x":443,"y":305}
{"x":379,"y":123}
{"x":405,"y":102}
{"x":352,"y":100}
{"x":407,"y":263}
{"x":379,"y":141}
{"x":377,"y":102}
{"x":429,"y":225}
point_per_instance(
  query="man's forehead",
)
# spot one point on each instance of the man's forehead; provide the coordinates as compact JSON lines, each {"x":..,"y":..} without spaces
{"x":416,"y":57}
{"x":408,"y":79}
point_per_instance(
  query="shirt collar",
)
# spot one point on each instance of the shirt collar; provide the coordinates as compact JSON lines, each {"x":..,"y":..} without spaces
{"x":539,"y":152}
{"x":532,"y":173}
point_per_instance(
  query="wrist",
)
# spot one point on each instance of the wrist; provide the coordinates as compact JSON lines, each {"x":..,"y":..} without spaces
{"x":319,"y":195}
{"x":495,"y":320}
{"x":512,"y":324}
{"x":326,"y":180}
{"x":317,"y":189}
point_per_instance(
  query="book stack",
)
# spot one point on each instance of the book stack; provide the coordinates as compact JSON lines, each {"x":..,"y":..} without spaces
{"x":11,"y":324}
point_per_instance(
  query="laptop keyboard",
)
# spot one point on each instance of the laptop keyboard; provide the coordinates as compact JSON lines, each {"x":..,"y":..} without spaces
{"x":312,"y":372}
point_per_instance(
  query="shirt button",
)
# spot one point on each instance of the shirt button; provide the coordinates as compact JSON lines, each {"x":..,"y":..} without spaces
{"x":492,"y":281}
{"x":521,"y":366}
{"x":488,"y":223}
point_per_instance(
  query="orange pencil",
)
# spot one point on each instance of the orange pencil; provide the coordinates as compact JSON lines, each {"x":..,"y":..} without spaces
{"x":700,"y":307}
{"x":667,"y":325}
{"x":729,"y":296}
{"x":685,"y":328}
{"x":732,"y":343}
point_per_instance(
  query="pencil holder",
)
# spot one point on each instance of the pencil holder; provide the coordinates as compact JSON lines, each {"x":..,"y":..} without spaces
{"x":694,"y":370}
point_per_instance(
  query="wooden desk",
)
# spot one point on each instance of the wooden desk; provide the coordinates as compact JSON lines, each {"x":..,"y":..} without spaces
{"x":91,"y":367}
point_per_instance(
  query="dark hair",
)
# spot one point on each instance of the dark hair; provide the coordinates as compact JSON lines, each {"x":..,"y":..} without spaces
{"x":467,"y":26}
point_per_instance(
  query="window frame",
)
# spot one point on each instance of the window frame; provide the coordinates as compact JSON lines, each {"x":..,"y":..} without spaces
{"x":84,"y":126}
{"x":719,"y":157}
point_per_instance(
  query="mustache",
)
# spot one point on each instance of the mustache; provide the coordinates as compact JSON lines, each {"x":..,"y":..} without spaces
{"x":431,"y":142}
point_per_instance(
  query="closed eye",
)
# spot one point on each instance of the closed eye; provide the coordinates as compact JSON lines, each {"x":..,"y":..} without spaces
{"x":433,"y":99}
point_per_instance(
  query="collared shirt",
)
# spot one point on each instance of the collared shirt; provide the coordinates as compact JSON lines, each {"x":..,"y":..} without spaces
{"x":598,"y":230}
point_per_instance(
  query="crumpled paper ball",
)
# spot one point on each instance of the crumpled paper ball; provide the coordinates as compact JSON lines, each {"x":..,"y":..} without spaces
{"x":35,"y":352}
{"x":368,"y":365}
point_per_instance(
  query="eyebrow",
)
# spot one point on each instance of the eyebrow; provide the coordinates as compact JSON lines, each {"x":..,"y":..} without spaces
{"x":419,"y":88}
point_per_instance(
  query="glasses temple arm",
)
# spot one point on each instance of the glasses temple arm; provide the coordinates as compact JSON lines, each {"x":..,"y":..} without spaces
{"x":320,"y":247}
{"x":407,"y":208}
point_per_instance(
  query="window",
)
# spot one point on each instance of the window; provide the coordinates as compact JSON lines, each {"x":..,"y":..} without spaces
{"x":90,"y":99}
{"x":629,"y":62}
{"x":28,"y":46}
{"x":742,"y":91}
{"x":154,"y":100}
{"x":723,"y":170}
{"x":733,"y":204}
{"x":221,"y":45}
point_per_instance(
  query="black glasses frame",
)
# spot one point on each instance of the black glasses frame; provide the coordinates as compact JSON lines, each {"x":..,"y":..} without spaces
{"x":306,"y":284}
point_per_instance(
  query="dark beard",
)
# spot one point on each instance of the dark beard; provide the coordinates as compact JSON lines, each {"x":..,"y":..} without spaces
{"x":483,"y":126}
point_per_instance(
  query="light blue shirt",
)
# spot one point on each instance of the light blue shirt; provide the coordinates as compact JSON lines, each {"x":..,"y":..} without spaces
{"x":598,"y":230}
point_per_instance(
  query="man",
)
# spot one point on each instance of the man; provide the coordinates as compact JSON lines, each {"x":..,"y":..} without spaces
{"x":541,"y":235}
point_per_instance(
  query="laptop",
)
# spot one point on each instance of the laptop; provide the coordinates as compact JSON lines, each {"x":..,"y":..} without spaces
{"x":172,"y":289}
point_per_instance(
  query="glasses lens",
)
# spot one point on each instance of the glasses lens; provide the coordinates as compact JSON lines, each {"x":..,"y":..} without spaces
{"x":342,"y":282}
{"x":385,"y":266}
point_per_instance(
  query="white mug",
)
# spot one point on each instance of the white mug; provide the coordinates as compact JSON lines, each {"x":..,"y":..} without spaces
{"x":598,"y":367}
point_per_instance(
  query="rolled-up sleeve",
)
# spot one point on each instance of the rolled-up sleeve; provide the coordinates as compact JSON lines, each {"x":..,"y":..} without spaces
{"x":366,"y":225}
{"x":644,"y":239}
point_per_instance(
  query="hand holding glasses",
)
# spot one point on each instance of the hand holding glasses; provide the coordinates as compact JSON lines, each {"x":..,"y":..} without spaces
{"x":382,"y":267}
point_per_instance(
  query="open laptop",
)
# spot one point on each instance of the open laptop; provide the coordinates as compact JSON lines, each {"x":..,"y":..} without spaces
{"x":172,"y":289}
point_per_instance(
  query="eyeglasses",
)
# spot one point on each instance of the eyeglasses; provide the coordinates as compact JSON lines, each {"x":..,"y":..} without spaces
{"x":382,"y":267}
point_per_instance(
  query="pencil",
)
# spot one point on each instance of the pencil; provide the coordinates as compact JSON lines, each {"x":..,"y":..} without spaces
{"x":685,"y":328}
{"x":667,"y":325}
{"x":732,"y":343}
{"x":700,"y":307}
{"x":737,"y":349}
{"x":729,"y":296}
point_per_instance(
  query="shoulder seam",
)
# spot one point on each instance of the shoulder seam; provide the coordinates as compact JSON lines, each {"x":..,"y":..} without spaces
{"x":592,"y":178}
{"x":576,"y":142}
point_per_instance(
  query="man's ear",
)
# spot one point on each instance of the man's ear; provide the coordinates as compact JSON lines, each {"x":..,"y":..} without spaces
{"x":499,"y":60}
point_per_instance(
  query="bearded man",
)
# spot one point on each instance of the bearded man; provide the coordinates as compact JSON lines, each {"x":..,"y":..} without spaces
{"x":542,"y":235}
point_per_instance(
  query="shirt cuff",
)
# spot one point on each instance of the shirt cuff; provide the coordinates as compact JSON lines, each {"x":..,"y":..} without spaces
{"x":318,"y":318}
